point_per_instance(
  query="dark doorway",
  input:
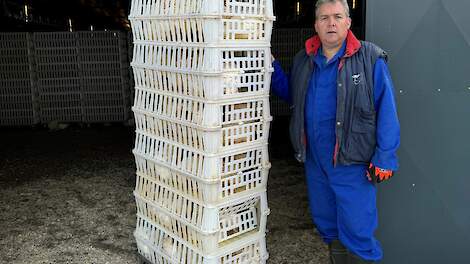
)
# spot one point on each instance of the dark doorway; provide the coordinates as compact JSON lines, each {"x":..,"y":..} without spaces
{"x":300,"y":14}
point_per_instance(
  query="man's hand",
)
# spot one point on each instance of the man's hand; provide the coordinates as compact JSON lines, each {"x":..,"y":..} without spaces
{"x":377,"y":175}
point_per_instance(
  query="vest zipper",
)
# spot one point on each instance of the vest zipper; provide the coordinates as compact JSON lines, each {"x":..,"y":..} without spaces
{"x":335,"y":154}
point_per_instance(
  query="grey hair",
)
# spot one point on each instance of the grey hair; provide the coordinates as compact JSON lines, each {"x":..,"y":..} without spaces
{"x":321,"y":2}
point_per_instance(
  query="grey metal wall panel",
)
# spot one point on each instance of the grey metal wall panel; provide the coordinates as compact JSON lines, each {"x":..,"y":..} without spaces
{"x":425,"y":210}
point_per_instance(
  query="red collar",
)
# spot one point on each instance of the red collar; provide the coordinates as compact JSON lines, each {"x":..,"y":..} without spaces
{"x":352,"y":45}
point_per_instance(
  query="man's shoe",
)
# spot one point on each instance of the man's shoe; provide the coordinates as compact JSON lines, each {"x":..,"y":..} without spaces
{"x":338,"y":252}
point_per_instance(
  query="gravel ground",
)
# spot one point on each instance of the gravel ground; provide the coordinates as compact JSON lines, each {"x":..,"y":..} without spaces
{"x":66,"y":197}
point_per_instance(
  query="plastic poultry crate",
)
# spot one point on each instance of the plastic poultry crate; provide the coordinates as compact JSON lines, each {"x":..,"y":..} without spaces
{"x":229,"y":84}
{"x":186,"y":160}
{"x":210,"y":140}
{"x":153,"y":174}
{"x":201,"y":59}
{"x":55,"y":41}
{"x":209,"y":30}
{"x":195,"y":111}
{"x":14,"y":41}
{"x":218,"y":8}
{"x":156,"y":246}
{"x":203,"y":227}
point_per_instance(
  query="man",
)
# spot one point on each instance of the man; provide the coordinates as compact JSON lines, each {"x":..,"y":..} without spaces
{"x":345,"y":128}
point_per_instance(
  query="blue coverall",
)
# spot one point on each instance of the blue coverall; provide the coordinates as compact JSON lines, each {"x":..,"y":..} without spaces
{"x":342,"y":201}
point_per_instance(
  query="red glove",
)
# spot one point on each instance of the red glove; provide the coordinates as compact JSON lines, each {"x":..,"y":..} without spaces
{"x":377,"y":175}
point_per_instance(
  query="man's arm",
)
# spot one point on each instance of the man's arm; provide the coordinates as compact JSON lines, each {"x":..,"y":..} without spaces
{"x":388,"y":127}
{"x":280,"y":82}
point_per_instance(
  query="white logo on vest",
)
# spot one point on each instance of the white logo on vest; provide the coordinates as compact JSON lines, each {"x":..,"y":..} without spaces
{"x":356,"y":78}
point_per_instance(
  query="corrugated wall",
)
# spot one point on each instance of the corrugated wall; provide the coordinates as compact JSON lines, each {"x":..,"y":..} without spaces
{"x":425,"y":210}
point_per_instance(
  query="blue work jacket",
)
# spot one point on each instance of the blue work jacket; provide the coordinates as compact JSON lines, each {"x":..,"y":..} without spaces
{"x":366,"y":129}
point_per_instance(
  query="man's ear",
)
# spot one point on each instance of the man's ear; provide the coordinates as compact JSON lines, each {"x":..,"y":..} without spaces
{"x":349,"y":23}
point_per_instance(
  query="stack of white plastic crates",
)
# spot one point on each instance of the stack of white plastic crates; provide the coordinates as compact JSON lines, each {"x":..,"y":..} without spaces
{"x":202,"y":71}
{"x":58,"y":76}
{"x":18,"y":106}
{"x":104,"y":87}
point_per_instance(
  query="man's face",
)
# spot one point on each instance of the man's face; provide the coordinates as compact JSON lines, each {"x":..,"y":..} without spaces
{"x":332,"y":24}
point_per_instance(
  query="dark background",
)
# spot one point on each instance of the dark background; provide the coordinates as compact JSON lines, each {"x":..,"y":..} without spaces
{"x":54,"y":15}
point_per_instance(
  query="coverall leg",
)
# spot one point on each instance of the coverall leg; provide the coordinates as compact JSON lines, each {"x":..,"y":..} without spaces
{"x":342,"y":200}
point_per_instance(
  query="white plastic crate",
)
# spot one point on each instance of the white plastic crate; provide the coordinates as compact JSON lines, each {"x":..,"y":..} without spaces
{"x":14,"y":57}
{"x":18,"y":106}
{"x":102,"y":84}
{"x":104,"y":114}
{"x":95,"y":55}
{"x":214,"y":31}
{"x":194,"y":111}
{"x":56,"y":56}
{"x":48,"y":86}
{"x":58,"y":72}
{"x":11,"y":86}
{"x":201,"y":59}
{"x":62,"y":112}
{"x":56,"y":41}
{"x":16,"y":109}
{"x":111,"y":69}
{"x":16,"y":102}
{"x":103,"y":106}
{"x":203,"y":227}
{"x":152,"y":174}
{"x":230,"y":84}
{"x":179,"y":8}
{"x":14,"y":117}
{"x":210,"y":140}
{"x":14,"y":72}
{"x":199,"y":164}
{"x":159,"y":247}
{"x":13,"y":41}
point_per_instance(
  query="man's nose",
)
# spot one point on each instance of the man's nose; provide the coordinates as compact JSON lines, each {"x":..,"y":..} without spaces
{"x":331,"y":22}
